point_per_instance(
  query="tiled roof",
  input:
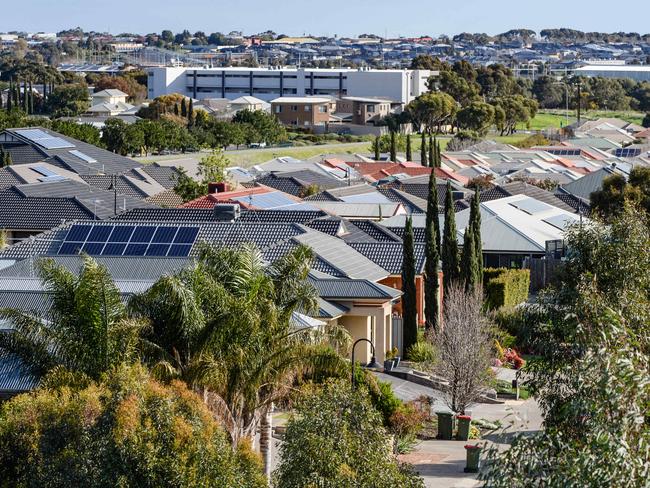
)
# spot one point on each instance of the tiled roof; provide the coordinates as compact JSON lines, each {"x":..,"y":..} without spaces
{"x":288,"y":216}
{"x":34,"y":213}
{"x":418,"y":233}
{"x":166,"y":176}
{"x":167,"y":215}
{"x":412,"y":203}
{"x":167,"y":198}
{"x":389,"y":255}
{"x":330,"y":226}
{"x":7,"y":179}
{"x":350,"y":289}
{"x":103,"y":182}
{"x":106,"y":161}
{"x":376,"y":231}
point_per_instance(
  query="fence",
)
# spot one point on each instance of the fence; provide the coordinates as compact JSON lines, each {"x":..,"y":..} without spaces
{"x":542,"y":271}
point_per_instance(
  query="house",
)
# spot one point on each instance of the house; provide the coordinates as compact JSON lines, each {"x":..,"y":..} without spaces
{"x":110,"y":96}
{"x":303,"y":111}
{"x":366,"y":110}
{"x":110,"y":102}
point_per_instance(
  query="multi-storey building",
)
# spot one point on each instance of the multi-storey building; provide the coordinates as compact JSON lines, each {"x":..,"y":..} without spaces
{"x":400,"y":86}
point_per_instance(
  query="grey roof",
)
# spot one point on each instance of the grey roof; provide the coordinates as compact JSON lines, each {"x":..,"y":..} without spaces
{"x":104,"y":182}
{"x":14,"y":376}
{"x":294,"y":182}
{"x":35,"y":213}
{"x":343,"y":289}
{"x":339,"y":255}
{"x":522,"y":188}
{"x":330,"y":310}
{"x":121,"y":268}
{"x":376,"y":231}
{"x":389,"y":255}
{"x":589,"y":183}
{"x":166,"y":176}
{"x":106,"y":161}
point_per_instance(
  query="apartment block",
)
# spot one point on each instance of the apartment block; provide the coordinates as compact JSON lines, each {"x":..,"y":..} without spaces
{"x":303,"y":111}
{"x":267,"y":84}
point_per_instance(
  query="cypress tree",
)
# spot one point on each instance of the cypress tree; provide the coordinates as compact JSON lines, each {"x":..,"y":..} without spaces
{"x":468,"y":265}
{"x":190,"y":113}
{"x":409,"y":156}
{"x":409,"y":304}
{"x":176,"y":112}
{"x":376,"y":147}
{"x":438,"y":155}
{"x":31,"y":98}
{"x":432,"y":153}
{"x":432,"y":256}
{"x":393,"y":147}
{"x":183,"y":108}
{"x":476,"y":232}
{"x":449,"y":252}
{"x":25,"y":98}
{"x":10,"y":95}
{"x":423,"y":151}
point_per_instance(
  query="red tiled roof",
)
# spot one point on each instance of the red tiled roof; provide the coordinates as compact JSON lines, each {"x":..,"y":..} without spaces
{"x":209,"y":201}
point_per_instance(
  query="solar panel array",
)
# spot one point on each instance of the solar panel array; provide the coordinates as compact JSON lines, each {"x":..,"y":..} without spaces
{"x":564,"y":152}
{"x":561,"y":221}
{"x":44,"y":139}
{"x":83,"y":156}
{"x":48,"y":175}
{"x":129,"y":240}
{"x":530,"y":206}
{"x":627,"y":152}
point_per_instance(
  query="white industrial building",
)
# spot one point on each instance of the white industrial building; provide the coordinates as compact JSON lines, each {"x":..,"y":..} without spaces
{"x":269,"y":83}
{"x":633,"y":72}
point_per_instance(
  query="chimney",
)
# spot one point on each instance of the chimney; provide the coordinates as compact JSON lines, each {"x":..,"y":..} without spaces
{"x":217,"y":187}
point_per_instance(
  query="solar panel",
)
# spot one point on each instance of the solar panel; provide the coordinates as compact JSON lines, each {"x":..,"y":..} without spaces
{"x":42,"y":170}
{"x":54,"y":143}
{"x":78,"y":232}
{"x":164,"y":234}
{"x":627,"y":152}
{"x":48,"y":179}
{"x":561,"y":221}
{"x":531,"y":206}
{"x":129,"y":240}
{"x":186,"y":235}
{"x":83,"y":156}
{"x":33,"y":134}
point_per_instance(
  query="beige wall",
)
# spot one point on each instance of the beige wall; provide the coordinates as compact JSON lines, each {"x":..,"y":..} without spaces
{"x":371,"y":322}
{"x":302,"y":114}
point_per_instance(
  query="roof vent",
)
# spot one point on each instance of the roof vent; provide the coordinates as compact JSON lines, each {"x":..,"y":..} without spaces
{"x":457,"y":195}
{"x":226,"y":212}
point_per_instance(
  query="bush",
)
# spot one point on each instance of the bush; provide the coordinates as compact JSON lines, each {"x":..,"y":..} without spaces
{"x":505,"y":287}
{"x":422,"y":352}
{"x":533,"y":140}
{"x":127,"y":430}
{"x":386,"y":402}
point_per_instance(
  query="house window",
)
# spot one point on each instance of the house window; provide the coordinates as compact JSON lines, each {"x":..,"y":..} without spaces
{"x":307,"y":108}
{"x":370,"y":109}
{"x":278,"y":109}
{"x":307,"y":122}
{"x":322,"y":109}
{"x":294,"y":108}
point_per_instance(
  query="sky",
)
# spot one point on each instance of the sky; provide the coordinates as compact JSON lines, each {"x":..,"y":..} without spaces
{"x":390,"y":18}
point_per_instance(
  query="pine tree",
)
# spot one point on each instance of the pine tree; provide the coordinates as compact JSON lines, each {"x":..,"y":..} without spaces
{"x":10,"y":95}
{"x":449,"y":252}
{"x":432,"y":153}
{"x":432,"y":257}
{"x":476,"y":232}
{"x":190,"y":114}
{"x":377,"y":147}
{"x":438,"y":155}
{"x":393,"y":147}
{"x":409,"y":304}
{"x":423,"y":151}
{"x":183,"y":108}
{"x":409,"y":156}
{"x":468,"y":265}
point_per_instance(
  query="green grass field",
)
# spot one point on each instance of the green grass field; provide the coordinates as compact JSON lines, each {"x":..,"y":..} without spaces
{"x":546,"y":120}
{"x":628,"y":115}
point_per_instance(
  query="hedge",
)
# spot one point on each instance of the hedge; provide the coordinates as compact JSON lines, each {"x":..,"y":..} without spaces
{"x":505,"y":287}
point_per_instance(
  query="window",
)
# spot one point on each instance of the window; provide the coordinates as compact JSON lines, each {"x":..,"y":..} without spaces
{"x":294,"y":108}
{"x":307,"y":122}
{"x":278,"y":109}
{"x":307,"y":108}
{"x":322,"y":109}
{"x":370,"y":109}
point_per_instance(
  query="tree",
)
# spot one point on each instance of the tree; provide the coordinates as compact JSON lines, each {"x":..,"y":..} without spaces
{"x":432,"y":257}
{"x":549,"y":92}
{"x":475,"y":219}
{"x":409,"y":303}
{"x":393,"y":147}
{"x":187,"y":187}
{"x":591,"y":336}
{"x":449,"y":252}
{"x":124,"y":430}
{"x":127,"y":84}
{"x":5,"y":158}
{"x":68,"y":100}
{"x":432,"y":110}
{"x":463,"y":347}
{"x":212,"y":168}
{"x":423,"y":150}
{"x":427,"y":62}
{"x":468,"y":262}
{"x":477,"y":117}
{"x":516,"y":109}
{"x":225,"y":328}
{"x":267,"y":126}
{"x":616,"y":192}
{"x":86,"y":332}
{"x":376,"y":148}
{"x":327,"y":444}
{"x":459,"y":88}
{"x":409,"y":156}
{"x":432,"y":153}
{"x":83,"y":132}
{"x":646,"y":120}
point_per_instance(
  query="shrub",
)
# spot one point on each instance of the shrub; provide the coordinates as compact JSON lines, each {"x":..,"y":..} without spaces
{"x":385,"y":401}
{"x":505,"y":287}
{"x":422,"y":352}
{"x":407,"y":420}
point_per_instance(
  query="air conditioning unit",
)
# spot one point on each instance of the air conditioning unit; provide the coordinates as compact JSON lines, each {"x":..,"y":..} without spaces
{"x":226,"y":212}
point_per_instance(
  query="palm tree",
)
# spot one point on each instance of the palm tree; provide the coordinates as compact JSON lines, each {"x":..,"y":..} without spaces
{"x":224,"y":327}
{"x":85,"y":332}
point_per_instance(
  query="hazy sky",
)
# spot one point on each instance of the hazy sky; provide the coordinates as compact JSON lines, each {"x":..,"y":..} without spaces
{"x":341,"y":17}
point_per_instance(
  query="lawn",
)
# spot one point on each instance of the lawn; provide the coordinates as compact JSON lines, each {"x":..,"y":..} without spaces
{"x":548,"y":120}
{"x":627,"y":115}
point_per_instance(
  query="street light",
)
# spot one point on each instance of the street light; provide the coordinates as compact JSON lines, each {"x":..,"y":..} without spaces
{"x":373,"y":362}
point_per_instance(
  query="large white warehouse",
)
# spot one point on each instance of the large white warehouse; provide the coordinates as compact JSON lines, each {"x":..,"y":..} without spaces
{"x":634,"y":72}
{"x":270,"y":83}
